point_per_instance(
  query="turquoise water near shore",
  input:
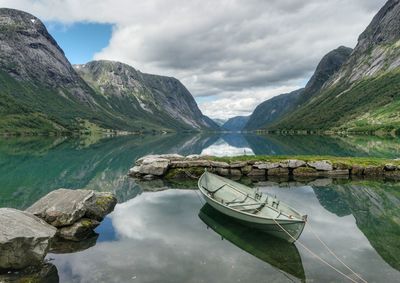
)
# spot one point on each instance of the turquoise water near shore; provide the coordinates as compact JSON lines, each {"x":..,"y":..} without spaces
{"x":158,"y":231}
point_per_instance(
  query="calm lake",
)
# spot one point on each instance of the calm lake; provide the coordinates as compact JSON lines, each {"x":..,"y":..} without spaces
{"x":163,"y":232}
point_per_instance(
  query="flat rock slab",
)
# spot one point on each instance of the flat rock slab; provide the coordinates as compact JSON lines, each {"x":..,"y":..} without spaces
{"x":62,"y":207}
{"x":24,"y":239}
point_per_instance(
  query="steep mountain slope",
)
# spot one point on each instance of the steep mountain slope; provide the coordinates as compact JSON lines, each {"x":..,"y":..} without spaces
{"x":273,"y":109}
{"x":364,"y":94}
{"x":137,"y":95}
{"x":278,"y":108}
{"x":41,"y":92}
{"x":236,"y":123}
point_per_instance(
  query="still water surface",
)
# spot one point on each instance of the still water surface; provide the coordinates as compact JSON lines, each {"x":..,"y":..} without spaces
{"x":164,"y":233}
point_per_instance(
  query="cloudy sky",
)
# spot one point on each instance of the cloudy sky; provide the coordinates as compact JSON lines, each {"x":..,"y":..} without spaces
{"x":230,"y":54}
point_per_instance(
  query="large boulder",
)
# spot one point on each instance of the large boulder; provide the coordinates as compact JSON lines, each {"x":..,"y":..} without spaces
{"x":45,"y":273}
{"x":24,"y":239}
{"x":62,"y":207}
{"x":65,"y":207}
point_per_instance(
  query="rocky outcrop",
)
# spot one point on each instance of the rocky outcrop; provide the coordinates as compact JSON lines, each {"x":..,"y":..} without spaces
{"x":176,"y":166}
{"x":74,"y":212}
{"x":24,"y":239}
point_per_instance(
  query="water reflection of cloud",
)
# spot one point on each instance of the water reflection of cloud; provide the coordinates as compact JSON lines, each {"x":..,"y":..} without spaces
{"x":159,"y":238}
{"x":222,"y":148}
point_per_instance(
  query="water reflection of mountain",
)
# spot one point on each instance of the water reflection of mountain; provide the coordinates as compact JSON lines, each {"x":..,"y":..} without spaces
{"x":30,"y":168}
{"x":278,"y":253}
{"x":375,"y":206}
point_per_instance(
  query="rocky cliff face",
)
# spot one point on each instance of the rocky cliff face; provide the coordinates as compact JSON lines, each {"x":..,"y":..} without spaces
{"x":30,"y":54}
{"x":236,"y":123}
{"x":378,"y":47}
{"x":137,"y":94}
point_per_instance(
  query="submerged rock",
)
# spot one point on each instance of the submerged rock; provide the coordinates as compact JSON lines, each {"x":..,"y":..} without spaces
{"x":46,"y":273}
{"x":24,"y":239}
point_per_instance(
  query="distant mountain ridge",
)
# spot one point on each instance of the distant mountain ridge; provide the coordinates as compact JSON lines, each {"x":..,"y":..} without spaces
{"x":144,"y":96}
{"x":42,"y":92}
{"x":236,"y":123}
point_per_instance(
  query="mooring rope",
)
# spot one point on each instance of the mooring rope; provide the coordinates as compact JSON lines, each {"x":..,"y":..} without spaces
{"x":314,"y":254}
{"x":332,"y":253}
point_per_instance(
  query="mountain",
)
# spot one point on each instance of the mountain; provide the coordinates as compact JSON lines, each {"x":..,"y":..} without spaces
{"x":42,"y":93}
{"x":219,"y":121}
{"x":162,"y":100}
{"x":236,"y":123}
{"x":271,"y":110}
{"x":364,"y":94}
{"x":278,"y":108}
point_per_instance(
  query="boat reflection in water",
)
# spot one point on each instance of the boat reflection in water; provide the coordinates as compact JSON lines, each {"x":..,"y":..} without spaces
{"x":277,"y":252}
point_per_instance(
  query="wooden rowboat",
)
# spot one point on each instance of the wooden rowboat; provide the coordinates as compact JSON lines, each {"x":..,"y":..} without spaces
{"x":252,"y":208}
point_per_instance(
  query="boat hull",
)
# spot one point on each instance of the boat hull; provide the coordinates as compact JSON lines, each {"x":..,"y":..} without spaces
{"x":266,"y":225}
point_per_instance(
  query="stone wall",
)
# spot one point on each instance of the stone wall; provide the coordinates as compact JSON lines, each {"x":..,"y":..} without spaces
{"x":177,"y":166}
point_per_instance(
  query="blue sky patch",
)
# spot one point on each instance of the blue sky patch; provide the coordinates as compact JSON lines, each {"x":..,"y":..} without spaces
{"x":80,"y":41}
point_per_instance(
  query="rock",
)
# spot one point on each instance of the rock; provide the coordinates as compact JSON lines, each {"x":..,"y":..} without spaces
{"x":190,"y":163}
{"x":278,"y":172}
{"x":246,"y":169}
{"x":154,"y":166}
{"x":221,"y":171}
{"x":82,"y":229}
{"x":219,"y":164}
{"x":235,"y":172}
{"x":390,"y":167}
{"x":256,"y":172}
{"x":134,"y":171}
{"x":294,"y":163}
{"x":374,"y":171}
{"x":393,"y":174}
{"x":238,"y":164}
{"x":99,"y":205}
{"x":305,"y":172}
{"x":65,"y":207}
{"x":341,"y":166}
{"x":266,"y":165}
{"x":193,"y":156}
{"x":45,"y":273}
{"x":357,"y":170}
{"x":159,"y":156}
{"x":323,"y":165}
{"x":24,"y":239}
{"x":321,"y":182}
{"x":62,"y":207}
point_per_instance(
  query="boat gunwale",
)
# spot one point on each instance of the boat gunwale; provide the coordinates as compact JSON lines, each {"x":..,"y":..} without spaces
{"x":280,"y":221}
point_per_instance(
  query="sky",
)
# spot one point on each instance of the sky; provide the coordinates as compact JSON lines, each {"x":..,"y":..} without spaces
{"x":231,"y":54}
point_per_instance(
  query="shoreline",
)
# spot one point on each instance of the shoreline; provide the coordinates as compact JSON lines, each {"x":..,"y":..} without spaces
{"x":263,"y":167}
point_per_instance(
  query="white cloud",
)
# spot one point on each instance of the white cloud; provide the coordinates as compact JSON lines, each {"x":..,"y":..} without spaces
{"x":219,"y":47}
